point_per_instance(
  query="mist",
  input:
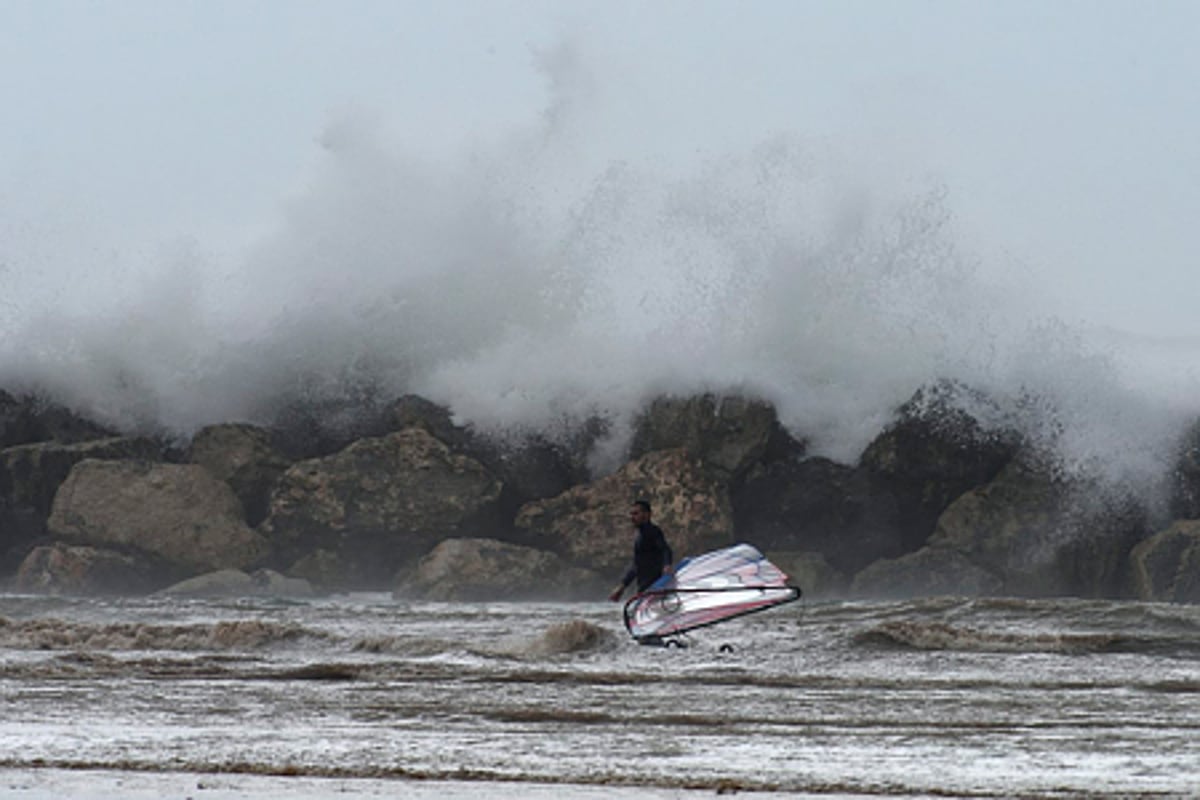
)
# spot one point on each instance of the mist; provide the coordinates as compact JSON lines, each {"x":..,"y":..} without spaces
{"x":580,"y":249}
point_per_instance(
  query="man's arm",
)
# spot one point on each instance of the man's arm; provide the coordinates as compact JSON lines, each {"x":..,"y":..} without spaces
{"x":626,"y":579}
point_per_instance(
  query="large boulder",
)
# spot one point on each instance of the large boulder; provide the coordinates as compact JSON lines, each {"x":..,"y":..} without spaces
{"x":589,"y":524}
{"x":244,"y":457}
{"x":928,"y":572}
{"x":1011,"y":527}
{"x":933,"y":452}
{"x":414,"y":411}
{"x":729,"y":433}
{"x":324,"y":568}
{"x":21,"y":527}
{"x":486,"y":569}
{"x":82,"y":570}
{"x":1042,"y":535}
{"x":531,"y":467}
{"x":1185,"y":477}
{"x":236,"y":583}
{"x":178,"y":513}
{"x":32,"y":418}
{"x":323,"y":414}
{"x":220,"y":583}
{"x":810,"y":571}
{"x":380,"y":504}
{"x":31,"y":474}
{"x":888,"y":504}
{"x":534,"y":468}
{"x":819,"y":506}
{"x":1026,"y":533}
{"x":1166,"y":567}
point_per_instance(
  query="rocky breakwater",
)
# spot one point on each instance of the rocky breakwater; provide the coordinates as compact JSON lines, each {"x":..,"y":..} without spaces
{"x":940,"y":502}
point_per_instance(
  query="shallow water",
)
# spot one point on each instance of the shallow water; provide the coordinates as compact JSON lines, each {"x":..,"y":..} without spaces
{"x":941,"y":696}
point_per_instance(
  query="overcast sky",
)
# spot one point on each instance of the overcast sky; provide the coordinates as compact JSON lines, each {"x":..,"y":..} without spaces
{"x":1065,"y":133}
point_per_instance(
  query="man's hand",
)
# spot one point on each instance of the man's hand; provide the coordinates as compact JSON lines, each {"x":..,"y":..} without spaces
{"x":616,"y":593}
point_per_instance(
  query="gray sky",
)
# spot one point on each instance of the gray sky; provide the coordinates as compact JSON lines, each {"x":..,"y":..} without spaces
{"x":1064,"y":132}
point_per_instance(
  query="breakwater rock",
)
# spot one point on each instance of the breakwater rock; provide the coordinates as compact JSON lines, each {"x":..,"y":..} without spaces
{"x":950,"y":498}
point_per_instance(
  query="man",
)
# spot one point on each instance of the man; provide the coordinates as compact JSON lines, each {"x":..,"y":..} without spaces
{"x":651,"y":553}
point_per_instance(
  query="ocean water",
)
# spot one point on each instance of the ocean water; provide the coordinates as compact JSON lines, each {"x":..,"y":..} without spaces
{"x":372,"y":696}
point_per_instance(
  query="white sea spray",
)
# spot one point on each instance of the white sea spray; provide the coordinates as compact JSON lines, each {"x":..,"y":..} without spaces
{"x":540,"y":278}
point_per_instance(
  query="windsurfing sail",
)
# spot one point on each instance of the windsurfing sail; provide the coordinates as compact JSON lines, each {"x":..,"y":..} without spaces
{"x":706,"y":590}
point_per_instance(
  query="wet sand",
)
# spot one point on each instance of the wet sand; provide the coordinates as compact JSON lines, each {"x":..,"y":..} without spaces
{"x":55,"y":784}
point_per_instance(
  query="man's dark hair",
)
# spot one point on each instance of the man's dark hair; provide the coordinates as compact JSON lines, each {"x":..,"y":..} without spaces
{"x":644,"y":505}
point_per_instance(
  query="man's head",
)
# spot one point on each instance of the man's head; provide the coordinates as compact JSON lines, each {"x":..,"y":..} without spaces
{"x":639,"y":512}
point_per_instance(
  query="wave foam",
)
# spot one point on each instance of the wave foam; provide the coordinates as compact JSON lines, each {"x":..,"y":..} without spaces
{"x":538,"y":281}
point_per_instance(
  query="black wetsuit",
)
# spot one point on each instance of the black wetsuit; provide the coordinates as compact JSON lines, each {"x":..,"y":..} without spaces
{"x":650,"y":554}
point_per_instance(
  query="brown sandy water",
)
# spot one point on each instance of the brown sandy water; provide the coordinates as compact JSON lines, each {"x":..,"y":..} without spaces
{"x":935,"y":697}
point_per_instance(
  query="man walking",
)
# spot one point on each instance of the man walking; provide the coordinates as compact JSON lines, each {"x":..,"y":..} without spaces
{"x":651,"y":554}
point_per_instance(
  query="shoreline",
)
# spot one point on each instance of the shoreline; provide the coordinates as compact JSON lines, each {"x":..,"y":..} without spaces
{"x":53,"y":783}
